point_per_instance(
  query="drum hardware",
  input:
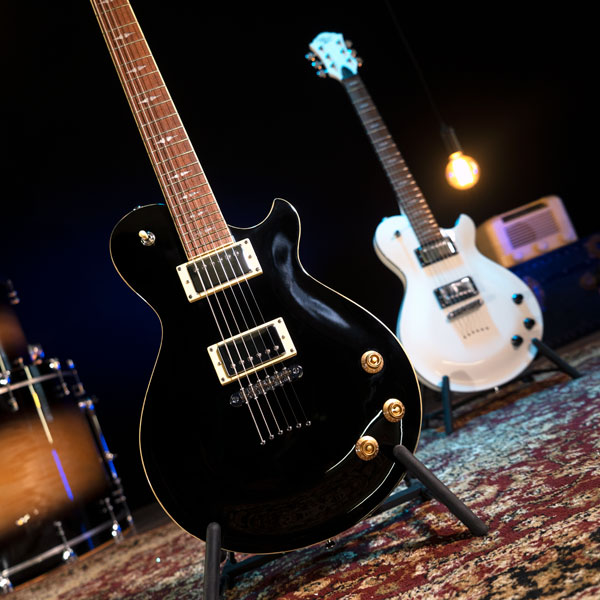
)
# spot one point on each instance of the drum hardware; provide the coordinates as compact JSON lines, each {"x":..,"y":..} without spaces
{"x":36,"y":352}
{"x":116,"y":530}
{"x":68,"y":554}
{"x":5,"y":585}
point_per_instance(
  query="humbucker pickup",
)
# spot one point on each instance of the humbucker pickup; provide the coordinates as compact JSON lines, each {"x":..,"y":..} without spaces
{"x":218,"y":270}
{"x":456,"y":291}
{"x":251,"y":350}
{"x":433,"y":252}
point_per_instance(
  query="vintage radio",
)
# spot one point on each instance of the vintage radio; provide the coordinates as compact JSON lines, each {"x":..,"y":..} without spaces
{"x":526,"y":232}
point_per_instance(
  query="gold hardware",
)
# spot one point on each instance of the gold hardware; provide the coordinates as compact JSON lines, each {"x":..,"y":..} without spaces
{"x":371,"y":361}
{"x":367,"y":447}
{"x":393,"y":410}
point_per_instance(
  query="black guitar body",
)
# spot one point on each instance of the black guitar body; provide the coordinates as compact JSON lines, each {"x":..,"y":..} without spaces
{"x":203,"y":455}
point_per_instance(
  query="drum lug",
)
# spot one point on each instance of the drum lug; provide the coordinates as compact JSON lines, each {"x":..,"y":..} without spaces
{"x":68,"y":554}
{"x":5,"y":584}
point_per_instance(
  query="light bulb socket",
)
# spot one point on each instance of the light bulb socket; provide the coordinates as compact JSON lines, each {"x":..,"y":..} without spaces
{"x":450,"y":140}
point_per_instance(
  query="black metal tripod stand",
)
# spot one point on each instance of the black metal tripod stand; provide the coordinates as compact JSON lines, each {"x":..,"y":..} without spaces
{"x":425,"y":485}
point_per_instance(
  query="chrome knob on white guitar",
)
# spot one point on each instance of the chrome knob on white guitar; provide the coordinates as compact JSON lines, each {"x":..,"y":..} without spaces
{"x":457,"y":317}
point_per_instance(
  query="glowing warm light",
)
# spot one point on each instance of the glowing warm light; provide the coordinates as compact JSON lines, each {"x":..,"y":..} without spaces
{"x":462,"y":172}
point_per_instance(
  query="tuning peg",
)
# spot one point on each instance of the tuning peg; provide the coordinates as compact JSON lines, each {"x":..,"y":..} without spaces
{"x":322,"y":73}
{"x":317,"y":64}
{"x":359,"y":61}
{"x":348,"y":44}
{"x":310,"y":56}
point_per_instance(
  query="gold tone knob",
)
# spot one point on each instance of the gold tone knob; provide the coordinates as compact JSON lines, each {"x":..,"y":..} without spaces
{"x":367,"y":447}
{"x":371,"y":361}
{"x":393,"y":410}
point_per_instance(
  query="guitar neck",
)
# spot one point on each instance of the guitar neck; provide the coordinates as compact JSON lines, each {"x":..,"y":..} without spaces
{"x":410,"y":198}
{"x":197,"y":217}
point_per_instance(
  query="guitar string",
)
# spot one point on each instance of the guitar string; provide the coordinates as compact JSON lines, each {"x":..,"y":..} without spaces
{"x":186,"y":222}
{"x":123,"y":57}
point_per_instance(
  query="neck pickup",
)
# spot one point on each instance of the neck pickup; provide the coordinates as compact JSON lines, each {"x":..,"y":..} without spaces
{"x":218,"y":270}
{"x":435,"y":251}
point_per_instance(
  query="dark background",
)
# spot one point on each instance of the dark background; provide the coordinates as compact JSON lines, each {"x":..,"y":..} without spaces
{"x":514,"y":85}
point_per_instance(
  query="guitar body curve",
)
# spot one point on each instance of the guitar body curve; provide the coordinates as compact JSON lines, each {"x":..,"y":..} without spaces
{"x":474,"y":349}
{"x":204,"y":457}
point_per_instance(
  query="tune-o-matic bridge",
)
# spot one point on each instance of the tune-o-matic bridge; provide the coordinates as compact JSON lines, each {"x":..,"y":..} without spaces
{"x":251,"y":350}
{"x":266,"y":384}
{"x":218,"y":270}
{"x":435,"y":251}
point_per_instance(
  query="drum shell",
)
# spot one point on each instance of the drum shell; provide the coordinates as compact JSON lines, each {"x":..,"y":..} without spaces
{"x":53,"y":476}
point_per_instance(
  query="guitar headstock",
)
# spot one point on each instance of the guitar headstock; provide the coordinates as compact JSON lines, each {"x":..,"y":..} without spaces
{"x":331,"y":55}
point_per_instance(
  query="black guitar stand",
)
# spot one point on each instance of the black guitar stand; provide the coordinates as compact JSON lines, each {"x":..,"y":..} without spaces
{"x":448,"y":405}
{"x":421,"y":482}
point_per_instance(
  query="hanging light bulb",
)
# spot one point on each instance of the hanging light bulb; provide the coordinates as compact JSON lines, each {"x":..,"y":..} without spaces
{"x":462,"y":171}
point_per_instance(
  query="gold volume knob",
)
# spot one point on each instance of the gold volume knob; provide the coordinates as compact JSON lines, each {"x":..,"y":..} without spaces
{"x":393,"y":410}
{"x":371,"y":361}
{"x":367,"y":447}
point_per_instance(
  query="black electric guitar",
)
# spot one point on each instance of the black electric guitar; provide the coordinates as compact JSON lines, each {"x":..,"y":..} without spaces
{"x":462,"y":315}
{"x":275,"y":402}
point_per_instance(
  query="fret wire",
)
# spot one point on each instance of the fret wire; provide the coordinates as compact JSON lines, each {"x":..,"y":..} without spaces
{"x":152,"y":106}
{"x":132,"y":79}
{"x":185,"y":179}
{"x":135,"y":60}
{"x":165,"y":132}
{"x":104,"y":12}
{"x":185,"y":192}
{"x":194,"y":164}
{"x":158,"y":87}
{"x":160,"y":119}
{"x":121,"y":26}
{"x":160,"y":162}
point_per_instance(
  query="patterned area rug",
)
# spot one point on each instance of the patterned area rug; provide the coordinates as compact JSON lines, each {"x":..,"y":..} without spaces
{"x":526,"y":462}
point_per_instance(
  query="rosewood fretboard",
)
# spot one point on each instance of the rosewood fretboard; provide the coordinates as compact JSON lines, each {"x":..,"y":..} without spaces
{"x":188,"y":195}
{"x":410,"y":198}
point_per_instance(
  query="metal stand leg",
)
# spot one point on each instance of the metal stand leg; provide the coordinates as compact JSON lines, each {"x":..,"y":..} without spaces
{"x":439,"y":491}
{"x":447,"y":404}
{"x":556,"y":359}
{"x":212,"y":561}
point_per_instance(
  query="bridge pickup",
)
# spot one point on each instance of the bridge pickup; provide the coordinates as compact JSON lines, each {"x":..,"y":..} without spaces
{"x":428,"y":254}
{"x":252,"y":350}
{"x":457,"y":291}
{"x":218,"y":270}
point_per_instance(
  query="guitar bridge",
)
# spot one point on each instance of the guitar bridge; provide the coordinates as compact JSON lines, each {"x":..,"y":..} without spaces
{"x":218,"y":270}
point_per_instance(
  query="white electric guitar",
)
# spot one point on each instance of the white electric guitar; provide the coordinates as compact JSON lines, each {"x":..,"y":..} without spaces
{"x":462,"y":316}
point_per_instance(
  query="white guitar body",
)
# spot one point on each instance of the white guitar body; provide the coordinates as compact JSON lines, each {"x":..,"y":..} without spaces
{"x":475,"y":349}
